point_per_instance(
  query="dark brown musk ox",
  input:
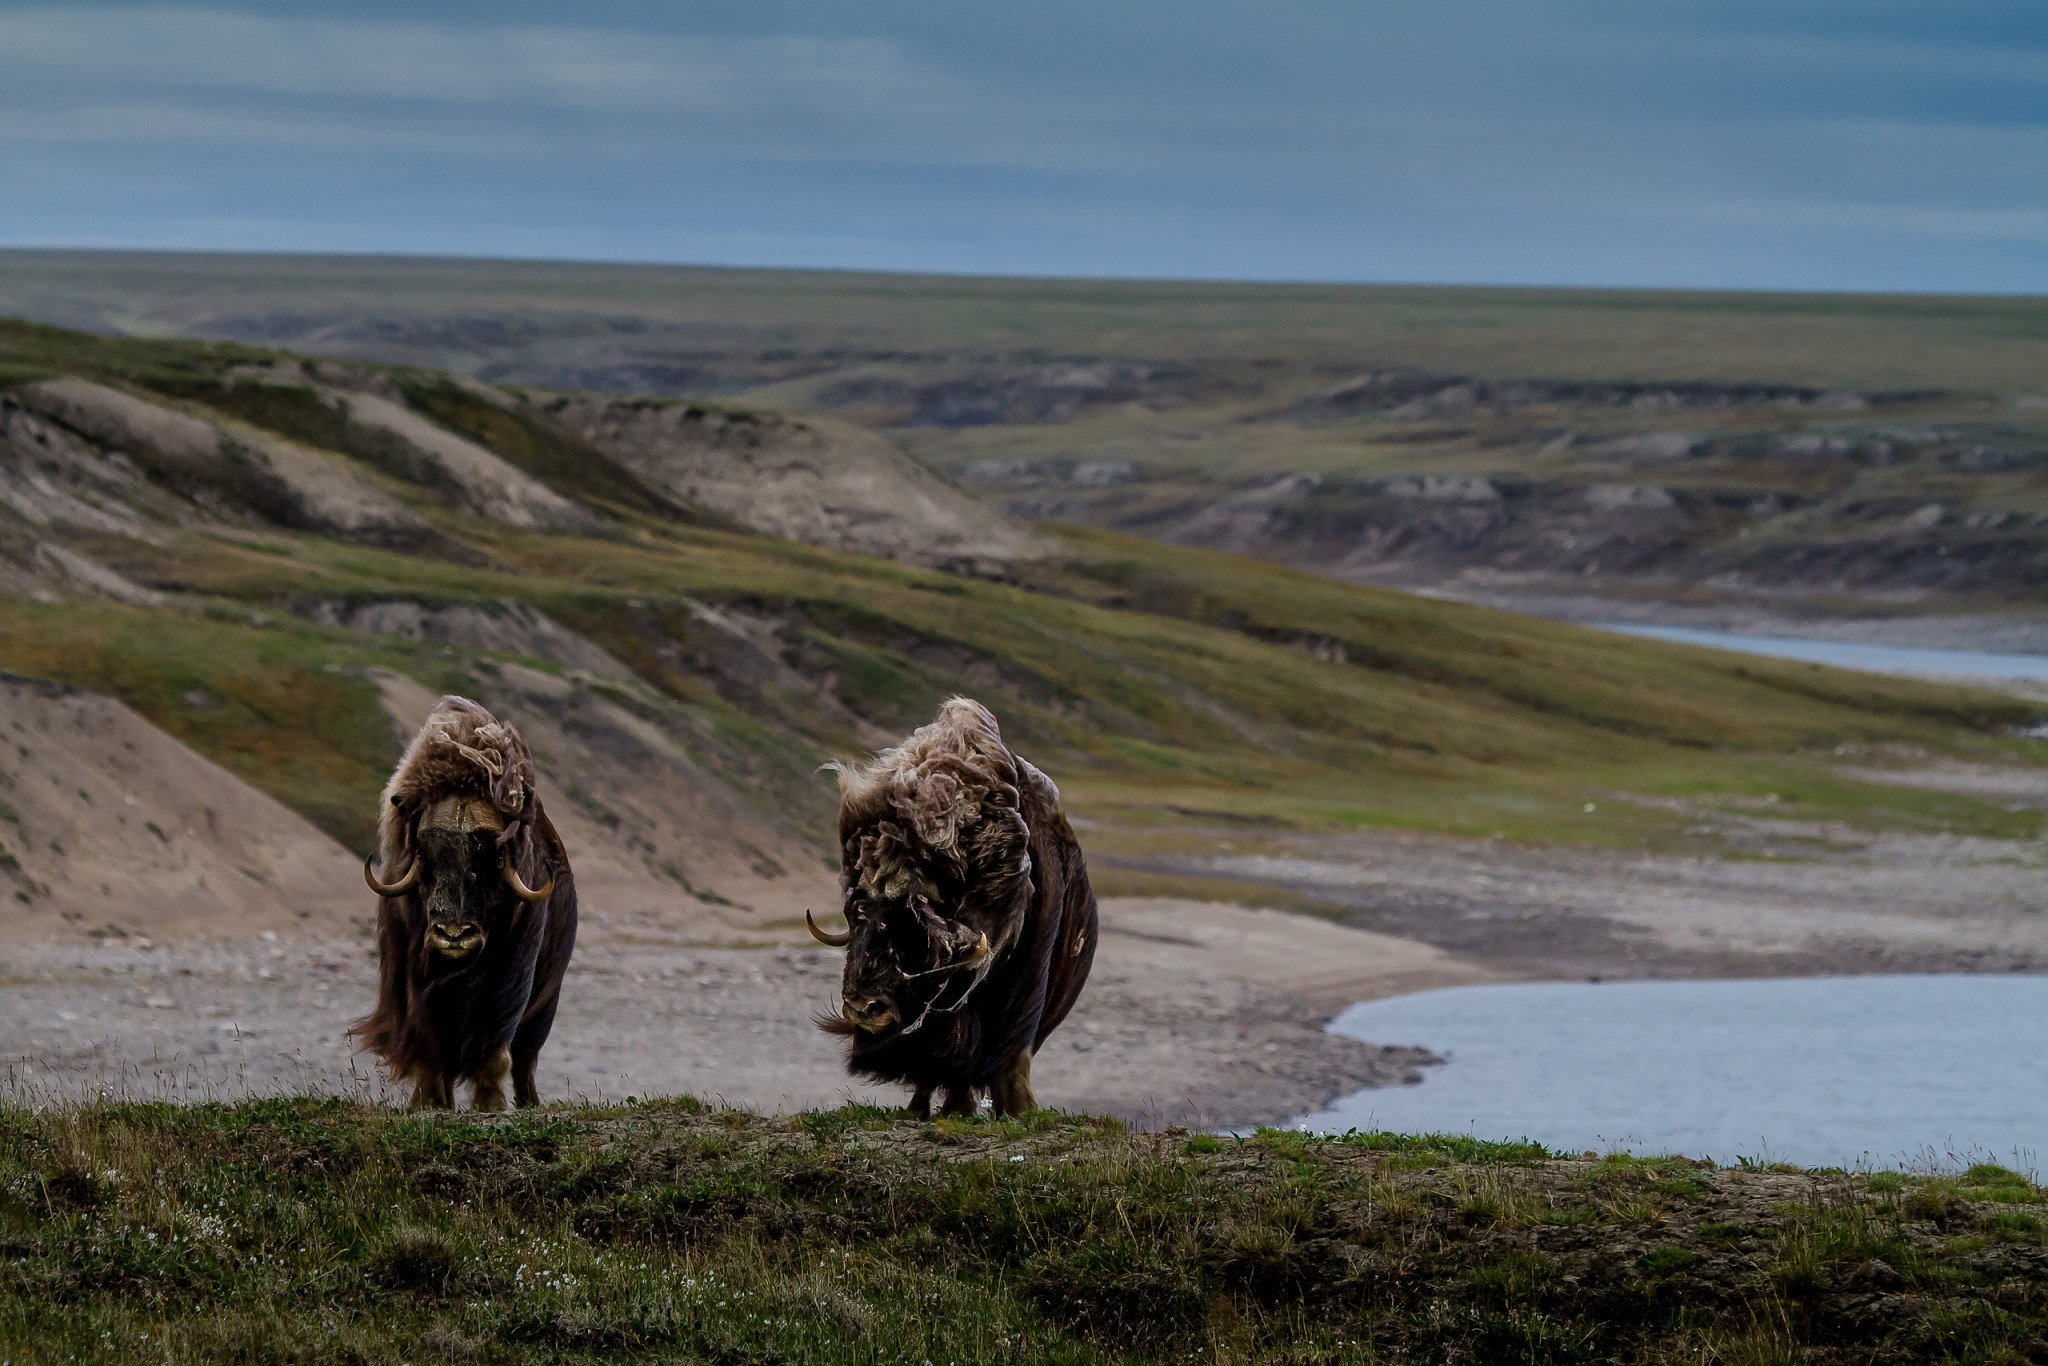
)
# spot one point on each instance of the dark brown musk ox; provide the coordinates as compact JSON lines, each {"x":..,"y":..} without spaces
{"x":478,"y":917}
{"x":970,"y":925}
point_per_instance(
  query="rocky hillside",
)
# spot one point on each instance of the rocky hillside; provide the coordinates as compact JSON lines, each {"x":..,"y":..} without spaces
{"x":1757,"y":489}
{"x":1930,"y":514}
{"x":251,"y":569}
{"x":252,"y":439}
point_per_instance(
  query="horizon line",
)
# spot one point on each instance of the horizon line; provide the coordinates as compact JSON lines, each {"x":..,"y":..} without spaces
{"x":1257,"y":282}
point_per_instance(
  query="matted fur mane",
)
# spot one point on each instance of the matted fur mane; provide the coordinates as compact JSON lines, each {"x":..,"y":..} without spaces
{"x":947,"y":794}
{"x":461,"y":750}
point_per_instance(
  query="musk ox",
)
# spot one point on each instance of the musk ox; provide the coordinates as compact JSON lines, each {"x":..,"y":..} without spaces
{"x":970,"y":924}
{"x":478,"y":917}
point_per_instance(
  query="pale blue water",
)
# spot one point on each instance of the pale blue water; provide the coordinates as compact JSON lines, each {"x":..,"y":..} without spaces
{"x":1828,"y":1071}
{"x":1884,"y":659}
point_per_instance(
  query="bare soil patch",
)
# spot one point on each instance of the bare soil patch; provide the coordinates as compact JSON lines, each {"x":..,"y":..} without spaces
{"x":110,"y":826}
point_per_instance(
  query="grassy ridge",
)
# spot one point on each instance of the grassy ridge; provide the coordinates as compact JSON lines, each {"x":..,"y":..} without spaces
{"x":1159,"y":682}
{"x":303,"y":1231}
{"x":1211,"y":688}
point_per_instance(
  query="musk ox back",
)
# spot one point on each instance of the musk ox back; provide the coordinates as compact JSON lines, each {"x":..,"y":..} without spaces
{"x":478,"y":917}
{"x":970,"y":922}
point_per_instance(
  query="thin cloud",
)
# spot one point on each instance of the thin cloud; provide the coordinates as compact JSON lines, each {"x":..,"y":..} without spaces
{"x":435,"y":63}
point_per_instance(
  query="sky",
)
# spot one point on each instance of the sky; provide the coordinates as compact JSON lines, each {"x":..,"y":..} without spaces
{"x":1776,"y":144}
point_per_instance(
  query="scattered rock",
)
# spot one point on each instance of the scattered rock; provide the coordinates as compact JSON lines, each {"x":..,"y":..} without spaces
{"x":1629,"y":498}
{"x":1097,"y":474}
{"x":504,"y":627}
{"x":1655,"y":446}
{"x":1443,"y":488}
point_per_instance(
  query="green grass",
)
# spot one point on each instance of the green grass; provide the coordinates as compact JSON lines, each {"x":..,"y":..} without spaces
{"x":1168,"y":712}
{"x":322,"y":1230}
{"x":298,"y":412}
{"x":289,"y":711}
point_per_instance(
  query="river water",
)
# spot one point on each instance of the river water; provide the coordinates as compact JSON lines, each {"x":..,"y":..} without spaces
{"x":1887,"y":659}
{"x":1835,"y":1071}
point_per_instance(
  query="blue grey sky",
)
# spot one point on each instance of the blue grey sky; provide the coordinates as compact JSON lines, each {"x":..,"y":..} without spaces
{"x":1804,"y":144}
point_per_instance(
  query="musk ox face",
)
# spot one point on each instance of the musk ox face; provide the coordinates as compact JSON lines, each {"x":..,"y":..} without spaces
{"x":460,"y":880}
{"x":463,"y":877}
{"x":904,"y":959}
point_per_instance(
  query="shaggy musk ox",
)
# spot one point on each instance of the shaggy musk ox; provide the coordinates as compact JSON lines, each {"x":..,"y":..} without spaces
{"x":478,"y":917}
{"x":970,"y":923}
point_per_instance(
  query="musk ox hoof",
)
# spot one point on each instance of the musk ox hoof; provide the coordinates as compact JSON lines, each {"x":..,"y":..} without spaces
{"x":436,"y":1094}
{"x":488,"y":1091}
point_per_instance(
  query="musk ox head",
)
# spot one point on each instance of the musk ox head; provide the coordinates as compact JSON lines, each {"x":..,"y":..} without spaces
{"x":934,"y":871}
{"x":904,"y":960}
{"x":457,"y":828}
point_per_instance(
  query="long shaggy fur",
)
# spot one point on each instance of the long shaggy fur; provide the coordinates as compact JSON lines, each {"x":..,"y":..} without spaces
{"x":461,"y":750}
{"x":946,"y":800}
{"x":430,"y":1030}
{"x":953,"y":810}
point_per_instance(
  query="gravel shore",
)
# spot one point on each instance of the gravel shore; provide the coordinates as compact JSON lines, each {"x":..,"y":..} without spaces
{"x":1197,"y":1013}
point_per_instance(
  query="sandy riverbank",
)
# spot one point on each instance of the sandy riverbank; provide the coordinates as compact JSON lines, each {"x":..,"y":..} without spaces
{"x":1198,"y":1012}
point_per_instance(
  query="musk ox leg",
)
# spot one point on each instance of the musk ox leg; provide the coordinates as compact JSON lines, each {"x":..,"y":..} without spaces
{"x":488,"y":1090}
{"x":959,"y":1101}
{"x":920,"y":1106}
{"x":1012,"y":1091}
{"x":524,"y":1093}
{"x":433,"y":1092}
{"x":526,"y":1052}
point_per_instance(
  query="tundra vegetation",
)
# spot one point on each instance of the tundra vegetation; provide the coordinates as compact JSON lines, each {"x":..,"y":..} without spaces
{"x":326,"y":1231}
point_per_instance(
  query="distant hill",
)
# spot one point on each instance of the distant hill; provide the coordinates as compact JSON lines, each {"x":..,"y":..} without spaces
{"x":1855,"y":452}
{"x":279,"y":562}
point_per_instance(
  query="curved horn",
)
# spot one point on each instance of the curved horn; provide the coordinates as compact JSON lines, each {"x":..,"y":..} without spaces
{"x":949,"y":938}
{"x":837,"y":941}
{"x":520,"y":889}
{"x":398,"y":888}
